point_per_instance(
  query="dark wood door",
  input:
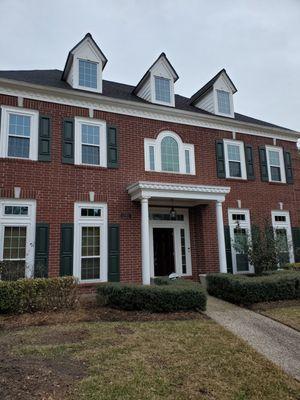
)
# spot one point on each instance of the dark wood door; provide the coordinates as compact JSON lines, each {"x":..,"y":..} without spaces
{"x":163,"y":242}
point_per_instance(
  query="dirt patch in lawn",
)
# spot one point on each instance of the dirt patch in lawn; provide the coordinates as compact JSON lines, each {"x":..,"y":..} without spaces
{"x":91,"y":314}
{"x":32,"y":378}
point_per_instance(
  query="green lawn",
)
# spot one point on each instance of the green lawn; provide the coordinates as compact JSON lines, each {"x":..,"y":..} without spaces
{"x":287,"y":315}
{"x":193,"y":359}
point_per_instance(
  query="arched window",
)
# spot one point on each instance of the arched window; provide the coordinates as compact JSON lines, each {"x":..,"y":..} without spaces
{"x":169,"y":154}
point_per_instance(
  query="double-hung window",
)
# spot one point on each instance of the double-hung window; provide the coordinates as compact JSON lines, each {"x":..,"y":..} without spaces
{"x":223,"y":99}
{"x":162,"y":89}
{"x":235,"y":159}
{"x":275,"y":161}
{"x":90,"y":142}
{"x":19,"y":133}
{"x":17,"y":234}
{"x":90,"y":244}
{"x":88,"y":71}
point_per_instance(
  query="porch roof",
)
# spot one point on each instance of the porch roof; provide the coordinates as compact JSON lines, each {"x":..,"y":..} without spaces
{"x":159,"y":190}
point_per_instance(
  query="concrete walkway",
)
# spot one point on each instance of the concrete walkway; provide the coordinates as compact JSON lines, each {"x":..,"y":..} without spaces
{"x":275,"y":341}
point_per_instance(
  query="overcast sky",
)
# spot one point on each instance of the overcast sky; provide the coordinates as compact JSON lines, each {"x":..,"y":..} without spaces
{"x":257,"y":41}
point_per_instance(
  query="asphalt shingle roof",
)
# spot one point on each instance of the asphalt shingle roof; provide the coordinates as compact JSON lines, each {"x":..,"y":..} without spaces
{"x":52,"y":78}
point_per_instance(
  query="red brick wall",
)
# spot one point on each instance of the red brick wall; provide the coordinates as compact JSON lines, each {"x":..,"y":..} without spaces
{"x":57,"y":186}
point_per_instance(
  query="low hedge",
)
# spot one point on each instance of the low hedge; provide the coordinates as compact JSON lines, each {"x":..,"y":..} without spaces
{"x":170,"y":297}
{"x":241,"y":289}
{"x":42,"y":294}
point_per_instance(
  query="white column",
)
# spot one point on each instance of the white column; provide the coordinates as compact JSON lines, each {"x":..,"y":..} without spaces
{"x":145,"y":242}
{"x":221,"y":237}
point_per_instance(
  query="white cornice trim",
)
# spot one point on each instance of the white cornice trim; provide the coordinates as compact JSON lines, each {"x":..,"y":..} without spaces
{"x":140,"y":110}
{"x":140,"y":190}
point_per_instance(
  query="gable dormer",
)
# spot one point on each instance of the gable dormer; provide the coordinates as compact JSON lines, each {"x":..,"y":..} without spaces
{"x":84,"y":66}
{"x":216,"y":96}
{"x":157,"y":85}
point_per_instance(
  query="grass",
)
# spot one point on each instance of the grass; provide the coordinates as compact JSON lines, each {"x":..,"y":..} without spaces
{"x":288,"y":315}
{"x":193,"y":359}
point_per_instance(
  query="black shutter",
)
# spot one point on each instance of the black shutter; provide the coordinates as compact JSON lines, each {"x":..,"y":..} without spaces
{"x":220,"y":159}
{"x":113,"y":253}
{"x":68,"y":141}
{"x":66,"y":249}
{"x":263,"y":164}
{"x":288,"y":167}
{"x":228,"y":248}
{"x":249,"y":162}
{"x":112,"y":147}
{"x":44,"y":139}
{"x":296,"y":243}
{"x":41,"y":251}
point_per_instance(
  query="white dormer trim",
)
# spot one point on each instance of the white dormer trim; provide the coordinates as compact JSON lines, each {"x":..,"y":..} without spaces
{"x":146,"y":87}
{"x":86,"y":50}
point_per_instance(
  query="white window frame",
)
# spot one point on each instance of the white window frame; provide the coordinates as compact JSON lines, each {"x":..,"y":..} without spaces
{"x":102,"y":140}
{"x":28,"y":221}
{"x":246,"y":224}
{"x":284,"y":225}
{"x":217,"y":94}
{"x":155,"y":97}
{"x":34,"y":128}
{"x":96,"y":89}
{"x":281,"y":160}
{"x":240,"y":144}
{"x":156,"y":143}
{"x":85,"y":221}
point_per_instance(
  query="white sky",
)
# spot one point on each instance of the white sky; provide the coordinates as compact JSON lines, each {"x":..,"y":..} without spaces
{"x":257,"y":41}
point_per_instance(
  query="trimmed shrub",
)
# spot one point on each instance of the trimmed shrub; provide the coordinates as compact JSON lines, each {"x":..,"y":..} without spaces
{"x":42,"y":294}
{"x":173,"y":296}
{"x":241,"y":289}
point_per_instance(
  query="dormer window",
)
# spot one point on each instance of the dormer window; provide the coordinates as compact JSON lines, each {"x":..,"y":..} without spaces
{"x":157,"y":85}
{"x":162,"y":89}
{"x":223,"y":102}
{"x":216,"y":96}
{"x":84,"y":66}
{"x":88,"y":74}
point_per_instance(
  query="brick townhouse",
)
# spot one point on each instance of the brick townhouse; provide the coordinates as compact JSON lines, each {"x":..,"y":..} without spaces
{"x":107,"y":181}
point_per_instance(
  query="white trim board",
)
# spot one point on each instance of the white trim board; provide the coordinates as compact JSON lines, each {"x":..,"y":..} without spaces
{"x":141,"y":110}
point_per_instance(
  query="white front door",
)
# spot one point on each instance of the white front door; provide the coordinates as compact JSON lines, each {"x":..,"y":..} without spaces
{"x":173,"y":236}
{"x":239,"y":226}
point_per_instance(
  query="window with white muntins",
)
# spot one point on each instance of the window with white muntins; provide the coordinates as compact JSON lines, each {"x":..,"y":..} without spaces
{"x":162,"y":89}
{"x":167,"y":153}
{"x":275,"y":162}
{"x":223,"y":98}
{"x":90,"y":142}
{"x":17,"y":238}
{"x":282,"y":230}
{"x":19,"y":133}
{"x":235,"y":165}
{"x":90,"y":242}
{"x":88,"y":73}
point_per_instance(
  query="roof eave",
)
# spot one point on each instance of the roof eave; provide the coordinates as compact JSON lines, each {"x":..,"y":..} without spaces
{"x":230,"y":122}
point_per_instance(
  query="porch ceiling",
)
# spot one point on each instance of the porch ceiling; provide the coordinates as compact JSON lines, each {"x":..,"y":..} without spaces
{"x":157,"y":190}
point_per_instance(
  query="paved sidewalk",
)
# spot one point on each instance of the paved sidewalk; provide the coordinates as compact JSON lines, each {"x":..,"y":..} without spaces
{"x":275,"y":341}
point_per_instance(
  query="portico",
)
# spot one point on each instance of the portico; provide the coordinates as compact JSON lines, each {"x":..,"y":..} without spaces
{"x":154,"y":194}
